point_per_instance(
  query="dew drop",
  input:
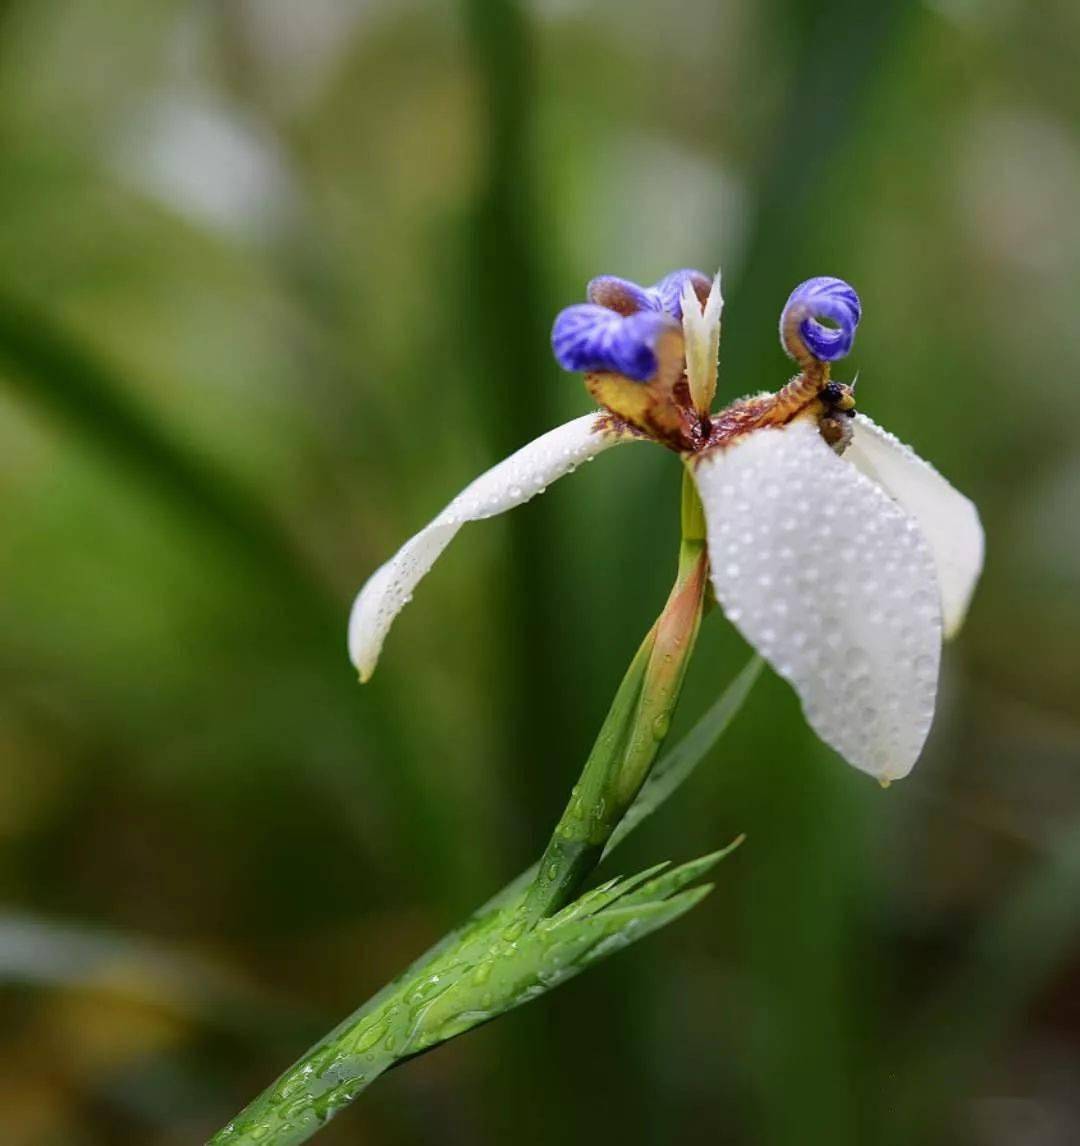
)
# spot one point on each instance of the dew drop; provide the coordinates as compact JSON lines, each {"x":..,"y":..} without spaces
{"x":367,"y":1039}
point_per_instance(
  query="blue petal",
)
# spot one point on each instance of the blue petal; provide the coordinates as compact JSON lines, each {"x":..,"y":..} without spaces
{"x":669,"y":289}
{"x":818,"y":298}
{"x":591,"y":337}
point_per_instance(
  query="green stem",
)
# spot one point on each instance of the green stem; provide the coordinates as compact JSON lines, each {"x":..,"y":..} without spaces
{"x":446,"y":991}
{"x":633,"y":731}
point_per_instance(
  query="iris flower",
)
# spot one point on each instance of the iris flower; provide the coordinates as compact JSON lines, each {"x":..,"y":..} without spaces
{"x":837,"y":552}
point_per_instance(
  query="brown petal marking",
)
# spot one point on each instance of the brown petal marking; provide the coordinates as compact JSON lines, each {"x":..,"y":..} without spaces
{"x":658,"y":408}
{"x":612,"y":294}
{"x":801,"y":397}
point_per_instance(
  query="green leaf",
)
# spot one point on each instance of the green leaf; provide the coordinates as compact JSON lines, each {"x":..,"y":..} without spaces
{"x":520,"y":968}
{"x":674,"y":880}
{"x":494,"y":962}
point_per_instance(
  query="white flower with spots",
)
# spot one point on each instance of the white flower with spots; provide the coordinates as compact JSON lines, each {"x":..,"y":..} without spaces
{"x":835,"y":550}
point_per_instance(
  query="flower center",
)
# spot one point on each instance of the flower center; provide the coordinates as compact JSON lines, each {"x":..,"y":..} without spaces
{"x":649,"y":357}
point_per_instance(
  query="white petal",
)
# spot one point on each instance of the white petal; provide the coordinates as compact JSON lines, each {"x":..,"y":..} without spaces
{"x":835,"y":586}
{"x":701,"y":336}
{"x":512,"y":482}
{"x":949,"y":521}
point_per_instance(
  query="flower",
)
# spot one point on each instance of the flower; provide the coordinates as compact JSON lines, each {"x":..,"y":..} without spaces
{"x":835,"y":550}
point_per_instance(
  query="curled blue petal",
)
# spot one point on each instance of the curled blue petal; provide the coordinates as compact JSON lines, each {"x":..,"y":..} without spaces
{"x":801,"y":332}
{"x":628,"y":298}
{"x":592,"y":337}
{"x":622,"y":295}
{"x":669,"y":289}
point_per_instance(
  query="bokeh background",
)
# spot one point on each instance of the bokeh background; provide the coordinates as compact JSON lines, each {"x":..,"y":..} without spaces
{"x":276,"y":279}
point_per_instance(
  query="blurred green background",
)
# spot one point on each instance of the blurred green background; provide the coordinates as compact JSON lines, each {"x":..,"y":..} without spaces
{"x":276,"y":280}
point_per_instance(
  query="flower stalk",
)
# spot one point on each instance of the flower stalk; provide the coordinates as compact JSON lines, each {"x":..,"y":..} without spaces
{"x":534,"y":934}
{"x":635,"y":727}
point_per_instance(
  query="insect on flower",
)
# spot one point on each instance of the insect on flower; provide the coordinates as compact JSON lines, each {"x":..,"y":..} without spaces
{"x":836,"y":551}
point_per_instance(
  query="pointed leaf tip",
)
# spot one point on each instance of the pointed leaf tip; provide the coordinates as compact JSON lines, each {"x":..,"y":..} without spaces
{"x":664,"y":886}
